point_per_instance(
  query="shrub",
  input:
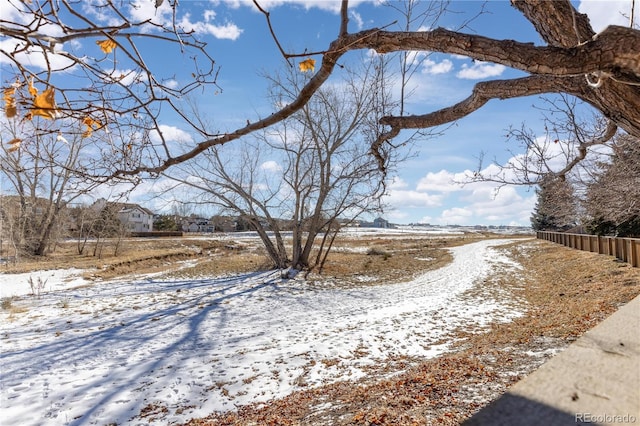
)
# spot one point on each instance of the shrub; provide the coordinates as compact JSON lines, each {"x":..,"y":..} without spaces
{"x":378,"y":252}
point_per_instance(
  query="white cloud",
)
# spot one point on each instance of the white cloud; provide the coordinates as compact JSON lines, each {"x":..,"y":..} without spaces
{"x":455,"y":216}
{"x":397,"y":183}
{"x":171,"y":134}
{"x":171,"y":84}
{"x":484,"y":204}
{"x":504,"y":206}
{"x":480,"y":70}
{"x":209,"y":15}
{"x":433,"y":67}
{"x":357,"y":19}
{"x":34,"y":57}
{"x":442,"y":181}
{"x":442,"y":199}
{"x":271,"y":166}
{"x":13,"y":11}
{"x":612,"y":12}
{"x":227,"y":31}
{"x":231,"y":4}
{"x":143,"y":10}
{"x":402,"y":199}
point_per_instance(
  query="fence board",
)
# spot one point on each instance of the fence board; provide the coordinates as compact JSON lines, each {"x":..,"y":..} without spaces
{"x":625,"y":249}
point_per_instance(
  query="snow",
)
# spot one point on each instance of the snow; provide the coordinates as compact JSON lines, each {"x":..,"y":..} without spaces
{"x":98,"y":354}
{"x":49,"y":280}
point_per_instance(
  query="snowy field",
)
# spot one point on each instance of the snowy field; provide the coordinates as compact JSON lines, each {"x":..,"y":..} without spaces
{"x":85,"y":354}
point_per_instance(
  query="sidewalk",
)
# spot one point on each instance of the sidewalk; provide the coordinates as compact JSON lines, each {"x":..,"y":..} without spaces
{"x":596,"y":380}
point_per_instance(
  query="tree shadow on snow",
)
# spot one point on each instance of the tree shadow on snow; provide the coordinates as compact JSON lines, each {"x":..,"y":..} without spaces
{"x":195,"y":301}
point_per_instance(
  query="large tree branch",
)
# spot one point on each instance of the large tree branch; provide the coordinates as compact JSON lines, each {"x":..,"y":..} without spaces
{"x":557,"y":22}
{"x":482,"y":93}
{"x":613,"y":50}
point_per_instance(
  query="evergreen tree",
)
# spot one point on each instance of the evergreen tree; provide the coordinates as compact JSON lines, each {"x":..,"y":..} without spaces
{"x":613,"y":199}
{"x":165,"y":223}
{"x":555,"y":208}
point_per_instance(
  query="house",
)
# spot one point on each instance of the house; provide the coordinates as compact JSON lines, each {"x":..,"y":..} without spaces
{"x":377,"y":223}
{"x":381,"y":223}
{"x":135,"y":218}
{"x":197,"y":224}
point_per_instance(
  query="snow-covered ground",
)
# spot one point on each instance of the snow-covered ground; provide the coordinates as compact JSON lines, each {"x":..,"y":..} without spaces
{"x":99,"y":353}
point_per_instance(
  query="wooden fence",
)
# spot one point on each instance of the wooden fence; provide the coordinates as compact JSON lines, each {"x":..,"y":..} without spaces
{"x":625,"y":249}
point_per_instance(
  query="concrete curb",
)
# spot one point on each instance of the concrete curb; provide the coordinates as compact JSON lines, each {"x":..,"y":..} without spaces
{"x":596,"y":380}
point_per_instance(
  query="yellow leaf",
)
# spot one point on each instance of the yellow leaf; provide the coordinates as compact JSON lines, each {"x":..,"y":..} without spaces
{"x":33,"y":91}
{"x":10,"y":108}
{"x":44,"y":104}
{"x":107,"y":45}
{"x":307,"y":65}
{"x":91,"y":125}
{"x":90,"y":122}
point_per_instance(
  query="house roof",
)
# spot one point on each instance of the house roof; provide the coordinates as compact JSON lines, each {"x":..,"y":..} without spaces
{"x":132,"y":206}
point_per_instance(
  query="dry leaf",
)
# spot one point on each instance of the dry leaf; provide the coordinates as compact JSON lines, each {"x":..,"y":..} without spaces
{"x":44,"y":104}
{"x":33,"y":91}
{"x":10,"y":108}
{"x":107,"y":45}
{"x":91,"y":126}
{"x":307,"y":65}
{"x":15,"y":144}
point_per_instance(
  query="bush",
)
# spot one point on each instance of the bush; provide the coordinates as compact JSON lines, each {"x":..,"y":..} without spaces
{"x":378,"y":252}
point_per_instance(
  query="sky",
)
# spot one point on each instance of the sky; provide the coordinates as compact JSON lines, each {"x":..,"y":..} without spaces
{"x":424,"y":189}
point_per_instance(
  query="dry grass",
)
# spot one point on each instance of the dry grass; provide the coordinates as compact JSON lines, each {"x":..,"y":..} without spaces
{"x":566,"y":291}
{"x":145,"y":255}
{"x":348,"y":263}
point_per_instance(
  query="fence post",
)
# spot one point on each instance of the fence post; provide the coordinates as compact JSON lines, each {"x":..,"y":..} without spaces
{"x":635,"y":252}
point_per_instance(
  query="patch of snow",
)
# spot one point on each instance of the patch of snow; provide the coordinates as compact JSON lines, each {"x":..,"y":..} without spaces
{"x":54,"y":280}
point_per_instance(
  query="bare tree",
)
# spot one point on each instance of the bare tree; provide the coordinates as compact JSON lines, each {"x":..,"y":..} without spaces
{"x":38,"y":169}
{"x":601,"y":69}
{"x":572,"y":143}
{"x":307,"y":173}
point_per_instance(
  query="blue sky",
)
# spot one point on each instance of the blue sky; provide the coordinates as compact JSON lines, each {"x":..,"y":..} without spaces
{"x":424,"y":188}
